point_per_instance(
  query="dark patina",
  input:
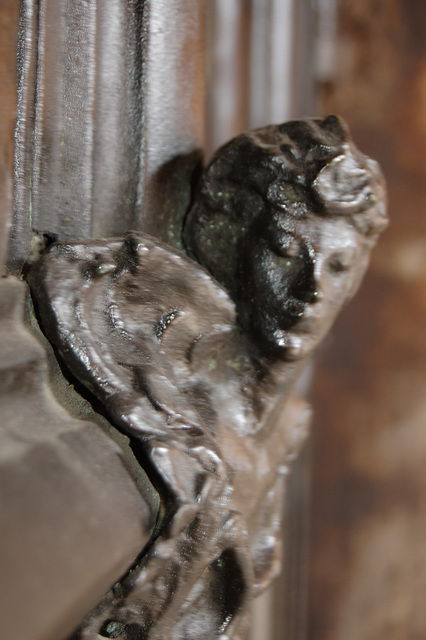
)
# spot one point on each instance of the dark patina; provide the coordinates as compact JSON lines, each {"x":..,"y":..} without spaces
{"x":198,"y":364}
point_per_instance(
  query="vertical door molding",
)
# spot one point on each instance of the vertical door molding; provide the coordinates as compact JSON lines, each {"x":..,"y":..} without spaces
{"x":110,"y":119}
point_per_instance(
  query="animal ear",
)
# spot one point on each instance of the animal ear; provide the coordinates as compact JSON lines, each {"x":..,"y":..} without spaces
{"x":343,"y":185}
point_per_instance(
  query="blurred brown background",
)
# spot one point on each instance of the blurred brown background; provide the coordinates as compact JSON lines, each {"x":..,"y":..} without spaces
{"x":368,"y":554}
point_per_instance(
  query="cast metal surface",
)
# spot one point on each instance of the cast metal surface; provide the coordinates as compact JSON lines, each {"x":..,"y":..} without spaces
{"x":109,"y":119}
{"x":198,"y":364}
{"x":69,"y":497}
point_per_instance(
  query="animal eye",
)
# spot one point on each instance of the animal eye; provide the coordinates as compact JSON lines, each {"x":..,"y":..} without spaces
{"x":337,"y":265}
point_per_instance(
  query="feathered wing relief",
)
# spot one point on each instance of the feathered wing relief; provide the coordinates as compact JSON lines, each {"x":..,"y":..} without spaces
{"x":108,"y":307}
{"x":125,"y":316}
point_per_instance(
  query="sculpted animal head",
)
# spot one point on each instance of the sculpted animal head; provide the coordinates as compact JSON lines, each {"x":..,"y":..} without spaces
{"x":285,"y":218}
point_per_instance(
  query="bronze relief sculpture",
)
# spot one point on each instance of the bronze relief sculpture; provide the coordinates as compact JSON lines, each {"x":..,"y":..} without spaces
{"x":197,"y":361}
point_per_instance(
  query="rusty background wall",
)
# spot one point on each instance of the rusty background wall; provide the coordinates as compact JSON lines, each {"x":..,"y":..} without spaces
{"x":368,"y":555}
